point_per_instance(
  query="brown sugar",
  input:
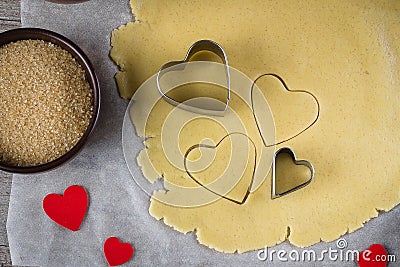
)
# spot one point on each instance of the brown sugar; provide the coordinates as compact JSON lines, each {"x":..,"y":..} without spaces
{"x":46,"y":103}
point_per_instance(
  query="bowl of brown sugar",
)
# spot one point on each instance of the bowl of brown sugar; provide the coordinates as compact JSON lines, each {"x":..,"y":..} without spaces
{"x":49,"y":100}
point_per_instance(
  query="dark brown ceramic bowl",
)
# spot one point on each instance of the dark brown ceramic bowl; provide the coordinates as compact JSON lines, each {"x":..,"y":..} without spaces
{"x":79,"y":55}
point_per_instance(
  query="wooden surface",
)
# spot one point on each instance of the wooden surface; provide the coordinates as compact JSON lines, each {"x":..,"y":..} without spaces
{"x":10,"y":17}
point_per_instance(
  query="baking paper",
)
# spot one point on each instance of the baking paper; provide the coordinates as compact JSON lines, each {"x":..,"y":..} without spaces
{"x":117,"y":205}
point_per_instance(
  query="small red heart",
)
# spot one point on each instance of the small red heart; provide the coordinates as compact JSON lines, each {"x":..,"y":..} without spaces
{"x":374,"y":256}
{"x":117,"y":253}
{"x":67,"y":210}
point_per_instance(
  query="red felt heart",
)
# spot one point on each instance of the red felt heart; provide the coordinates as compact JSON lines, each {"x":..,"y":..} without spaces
{"x":67,"y":210}
{"x":117,"y":253}
{"x":374,"y":256}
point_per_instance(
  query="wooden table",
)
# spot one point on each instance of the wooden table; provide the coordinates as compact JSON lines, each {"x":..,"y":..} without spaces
{"x":10,"y":17}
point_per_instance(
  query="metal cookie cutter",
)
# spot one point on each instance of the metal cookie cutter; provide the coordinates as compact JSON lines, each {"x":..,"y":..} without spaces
{"x":211,"y":107}
{"x":306,"y":163}
{"x":246,"y":195}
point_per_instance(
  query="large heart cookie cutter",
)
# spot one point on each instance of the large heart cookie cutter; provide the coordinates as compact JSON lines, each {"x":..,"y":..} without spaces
{"x":214,"y":108}
{"x":306,"y":163}
{"x":314,"y":121}
{"x":247,"y":193}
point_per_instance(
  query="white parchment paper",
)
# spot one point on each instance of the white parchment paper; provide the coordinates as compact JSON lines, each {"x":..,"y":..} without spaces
{"x":118,"y":207}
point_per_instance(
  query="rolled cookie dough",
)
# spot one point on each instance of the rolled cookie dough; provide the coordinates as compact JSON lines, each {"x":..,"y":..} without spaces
{"x":345,"y":52}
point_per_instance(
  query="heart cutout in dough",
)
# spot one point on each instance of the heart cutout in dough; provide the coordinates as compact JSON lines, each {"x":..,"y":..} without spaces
{"x":67,"y":210}
{"x":275,"y":179}
{"x":116,"y":252}
{"x":292,"y":109}
{"x":203,"y":104}
{"x":241,"y":187}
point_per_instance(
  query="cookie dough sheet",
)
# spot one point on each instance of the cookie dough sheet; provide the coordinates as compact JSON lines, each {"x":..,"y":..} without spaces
{"x":349,"y":62}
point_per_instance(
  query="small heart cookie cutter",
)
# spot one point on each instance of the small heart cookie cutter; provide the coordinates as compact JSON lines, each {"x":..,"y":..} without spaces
{"x":199,"y":46}
{"x":289,"y":151}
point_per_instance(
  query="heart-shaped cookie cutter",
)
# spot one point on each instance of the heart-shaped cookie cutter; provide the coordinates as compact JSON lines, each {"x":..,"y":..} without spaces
{"x":246,"y":195}
{"x":289,"y":90}
{"x":306,"y":163}
{"x":201,"y":45}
